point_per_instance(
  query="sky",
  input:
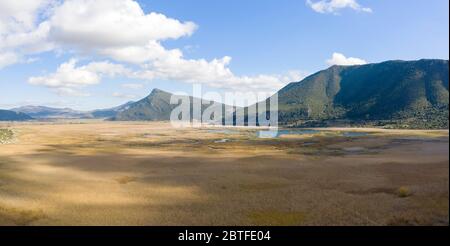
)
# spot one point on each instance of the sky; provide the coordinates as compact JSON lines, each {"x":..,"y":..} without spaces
{"x":91,"y":54}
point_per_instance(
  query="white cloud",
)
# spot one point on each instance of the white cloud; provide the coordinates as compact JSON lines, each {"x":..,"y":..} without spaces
{"x":333,"y":6}
{"x":215,"y":73}
{"x":112,"y":23}
{"x":124,"y":96}
{"x":66,"y":91}
{"x":68,"y":78}
{"x":120,"y":30}
{"x":340,"y":59}
{"x":19,"y":16}
{"x":8,"y":58}
{"x":133,"y":86}
{"x":20,"y":34}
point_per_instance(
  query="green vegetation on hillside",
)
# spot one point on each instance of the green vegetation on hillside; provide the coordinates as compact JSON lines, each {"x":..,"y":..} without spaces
{"x":156,"y":106}
{"x":392,"y":94}
{"x":405,"y":94}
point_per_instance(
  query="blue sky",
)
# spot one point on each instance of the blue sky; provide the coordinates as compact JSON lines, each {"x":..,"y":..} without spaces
{"x":269,"y":42}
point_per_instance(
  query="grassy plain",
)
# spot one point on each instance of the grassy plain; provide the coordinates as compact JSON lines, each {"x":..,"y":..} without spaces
{"x":143,"y":173}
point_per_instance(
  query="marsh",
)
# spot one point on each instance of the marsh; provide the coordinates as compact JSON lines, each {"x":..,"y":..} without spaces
{"x":148,"y":173}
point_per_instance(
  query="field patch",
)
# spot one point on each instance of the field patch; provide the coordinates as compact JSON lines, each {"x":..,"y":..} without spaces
{"x":6,"y":136}
{"x":277,"y":218}
{"x":19,"y":216}
{"x":120,"y":173}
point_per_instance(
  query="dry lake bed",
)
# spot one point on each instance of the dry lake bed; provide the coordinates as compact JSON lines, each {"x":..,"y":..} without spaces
{"x":141,"y":173}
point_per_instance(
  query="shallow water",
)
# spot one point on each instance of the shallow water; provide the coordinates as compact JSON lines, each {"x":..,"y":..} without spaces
{"x":281,"y":132}
{"x":222,"y":140}
{"x":276,"y":134}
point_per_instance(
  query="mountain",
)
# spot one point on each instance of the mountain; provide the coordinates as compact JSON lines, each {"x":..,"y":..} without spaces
{"x":401,"y":94}
{"x":111,"y":112}
{"x":41,"y":112}
{"x":8,"y":115}
{"x":410,"y":94}
{"x":154,"y":107}
{"x":157,"y":107}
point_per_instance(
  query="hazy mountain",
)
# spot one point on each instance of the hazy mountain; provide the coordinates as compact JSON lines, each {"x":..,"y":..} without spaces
{"x":41,"y":112}
{"x":111,"y":112}
{"x":407,"y":93}
{"x":8,"y":115}
{"x":156,"y":106}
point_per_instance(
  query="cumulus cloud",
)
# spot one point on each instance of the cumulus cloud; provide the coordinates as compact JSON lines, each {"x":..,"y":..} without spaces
{"x":333,"y":6}
{"x":8,"y":58}
{"x":340,"y":59}
{"x":20,"y":34}
{"x":120,"y":32}
{"x":133,"y":86}
{"x":69,"y":78}
{"x":118,"y":29}
{"x":112,"y":23}
{"x":19,"y":15}
{"x":214,"y":73}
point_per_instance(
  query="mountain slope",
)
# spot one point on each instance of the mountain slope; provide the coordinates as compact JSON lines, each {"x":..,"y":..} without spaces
{"x":411,"y":93}
{"x":110,"y":112}
{"x":154,"y":107}
{"x":8,"y":115}
{"x":157,"y":107}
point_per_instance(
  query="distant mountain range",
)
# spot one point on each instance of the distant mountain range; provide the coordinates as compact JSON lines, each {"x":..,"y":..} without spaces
{"x":42,"y":112}
{"x":8,"y":115}
{"x":405,"y":94}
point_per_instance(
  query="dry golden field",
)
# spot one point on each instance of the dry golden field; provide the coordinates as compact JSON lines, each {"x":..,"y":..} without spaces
{"x":118,"y":173}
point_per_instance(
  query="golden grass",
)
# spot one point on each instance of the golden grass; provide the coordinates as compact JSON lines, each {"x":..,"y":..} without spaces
{"x":403,"y":221}
{"x":20,"y":216}
{"x":125,"y":179}
{"x":147,"y":173}
{"x":403,"y":192}
{"x":276,"y":218}
{"x":261,"y":186}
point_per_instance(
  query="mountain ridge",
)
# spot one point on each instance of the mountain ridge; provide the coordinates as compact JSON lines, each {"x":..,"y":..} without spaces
{"x":44,"y":112}
{"x":405,"y":91}
{"x":156,"y":106}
